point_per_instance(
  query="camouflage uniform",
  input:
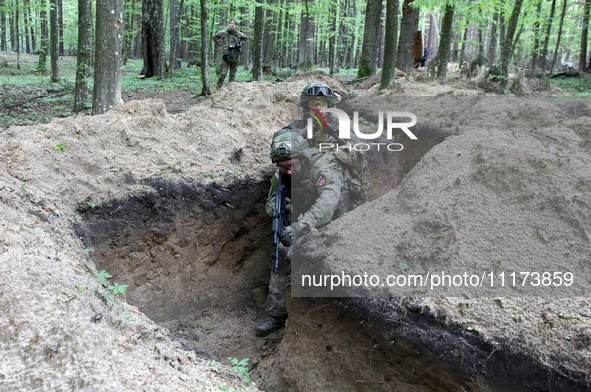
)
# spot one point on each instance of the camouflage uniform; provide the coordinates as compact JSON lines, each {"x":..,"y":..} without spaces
{"x":318,"y":194}
{"x":227,"y":38}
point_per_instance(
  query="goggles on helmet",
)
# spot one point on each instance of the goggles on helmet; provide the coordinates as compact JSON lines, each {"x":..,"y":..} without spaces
{"x":320,"y":90}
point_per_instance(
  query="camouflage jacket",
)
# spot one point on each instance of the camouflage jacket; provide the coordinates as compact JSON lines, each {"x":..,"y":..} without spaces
{"x":318,"y":196}
{"x":227,"y":38}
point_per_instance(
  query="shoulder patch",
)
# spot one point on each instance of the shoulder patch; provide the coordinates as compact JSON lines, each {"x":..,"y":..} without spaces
{"x":321,"y":182}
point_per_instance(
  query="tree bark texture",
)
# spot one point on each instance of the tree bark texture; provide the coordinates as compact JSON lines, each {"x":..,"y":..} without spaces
{"x":257,"y":45}
{"x":108,"y":57}
{"x":408,"y":26}
{"x":555,"y":57}
{"x":382,"y":37}
{"x":175,"y":35}
{"x":245,"y":28}
{"x":507,"y":49}
{"x":153,"y":38}
{"x":41,"y":65}
{"x":81,"y":92}
{"x":60,"y":23}
{"x":445,"y":43}
{"x":54,"y":38}
{"x":332,"y":40}
{"x":206,"y":89}
{"x":431,"y":44}
{"x":544,"y":53}
{"x":2,"y":26}
{"x":536,"y":38}
{"x":26,"y":6}
{"x":391,"y":33}
{"x":16,"y":28}
{"x":269,"y":36}
{"x":306,"y":47}
{"x":584,"y":34}
{"x":369,"y":50}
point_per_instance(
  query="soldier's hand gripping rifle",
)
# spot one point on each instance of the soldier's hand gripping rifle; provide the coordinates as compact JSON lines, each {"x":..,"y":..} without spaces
{"x":279,"y":221}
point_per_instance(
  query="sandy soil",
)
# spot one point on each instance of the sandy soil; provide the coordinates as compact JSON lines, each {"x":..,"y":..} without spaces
{"x":47,"y":339}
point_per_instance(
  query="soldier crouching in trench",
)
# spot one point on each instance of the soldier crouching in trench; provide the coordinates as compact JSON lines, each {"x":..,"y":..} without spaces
{"x":307,"y":178}
{"x":230,"y":42}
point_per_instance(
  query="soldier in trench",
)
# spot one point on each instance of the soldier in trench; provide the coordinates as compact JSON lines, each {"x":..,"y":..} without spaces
{"x":230,"y":41}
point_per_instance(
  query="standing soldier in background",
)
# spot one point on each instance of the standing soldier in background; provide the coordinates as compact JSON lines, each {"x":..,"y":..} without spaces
{"x":230,"y":42}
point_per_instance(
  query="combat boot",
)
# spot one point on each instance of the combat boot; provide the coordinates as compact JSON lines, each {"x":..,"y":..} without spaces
{"x":269,"y":324}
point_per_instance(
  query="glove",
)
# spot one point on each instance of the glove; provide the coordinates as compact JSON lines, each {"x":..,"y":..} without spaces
{"x":292,"y":233}
{"x":288,"y":206}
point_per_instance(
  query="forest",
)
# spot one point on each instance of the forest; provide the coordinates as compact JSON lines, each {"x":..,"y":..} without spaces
{"x":539,"y":37}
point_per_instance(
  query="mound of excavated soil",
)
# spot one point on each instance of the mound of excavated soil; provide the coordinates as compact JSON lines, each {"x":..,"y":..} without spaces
{"x":121,"y":172}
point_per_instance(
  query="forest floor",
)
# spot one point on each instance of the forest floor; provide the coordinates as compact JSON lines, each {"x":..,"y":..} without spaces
{"x":172,"y":205}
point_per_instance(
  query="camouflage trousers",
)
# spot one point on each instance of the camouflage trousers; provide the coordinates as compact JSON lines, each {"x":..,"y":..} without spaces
{"x":223,"y":70}
{"x":277,"y":284}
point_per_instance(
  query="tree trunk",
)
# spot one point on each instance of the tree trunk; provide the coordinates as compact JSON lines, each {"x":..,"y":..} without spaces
{"x":206,"y":90}
{"x":2,"y":26}
{"x":536,"y":38}
{"x":332,"y":40}
{"x":60,"y":24}
{"x":41,"y":65}
{"x":153,"y":39}
{"x":257,"y":45}
{"x":108,"y":58}
{"x":559,"y":37}
{"x":431,"y":44}
{"x":492,"y":41}
{"x":128,"y":30}
{"x":175,"y":36}
{"x":584,"y":33}
{"x":391,"y":32}
{"x":269,"y":34}
{"x":382,"y":37}
{"x":54,"y":38}
{"x":408,"y":26}
{"x":369,"y":50}
{"x":26,"y":7}
{"x":463,"y":50}
{"x":544,"y":54}
{"x":444,"y":43}
{"x":501,"y":23}
{"x":16,"y":28}
{"x":137,"y":39}
{"x":507,"y":49}
{"x":306,"y":47}
{"x":245,"y":28}
{"x":83,"y":55}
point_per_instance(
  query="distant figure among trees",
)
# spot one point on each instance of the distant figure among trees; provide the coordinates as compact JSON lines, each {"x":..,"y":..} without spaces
{"x":424,"y":58}
{"x":229,"y":40}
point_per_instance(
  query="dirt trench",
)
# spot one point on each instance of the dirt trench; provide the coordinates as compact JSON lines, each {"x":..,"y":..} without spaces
{"x":197,"y":260}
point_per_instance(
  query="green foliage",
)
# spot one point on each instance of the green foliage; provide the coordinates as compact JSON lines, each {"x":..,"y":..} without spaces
{"x":239,"y":367}
{"x":580,"y":87}
{"x":80,"y":287}
{"x":102,"y":277}
{"x":60,"y":147}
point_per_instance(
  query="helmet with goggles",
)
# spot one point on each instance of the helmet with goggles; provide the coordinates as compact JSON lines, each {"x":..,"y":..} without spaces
{"x":317,"y":92}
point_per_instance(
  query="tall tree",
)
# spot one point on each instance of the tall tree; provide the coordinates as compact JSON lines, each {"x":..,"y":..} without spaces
{"x":16,"y":28}
{"x":408,"y":26}
{"x":369,"y":50}
{"x":492,"y":42}
{"x":26,"y":7}
{"x":431,"y":43}
{"x":81,"y":92}
{"x":245,"y":28}
{"x":332,"y":40}
{"x":153,"y":39}
{"x":507,"y":49}
{"x":60,"y":24}
{"x":41,"y":65}
{"x":175,"y":35}
{"x":391,"y":33}
{"x":537,"y":32}
{"x":257,"y":44}
{"x":555,"y":57}
{"x":584,"y":33}
{"x":544,"y":53}
{"x":306,"y":46}
{"x":206,"y":90}
{"x":445,"y":43}
{"x":54,"y":38}
{"x":3,"y":45}
{"x":108,"y":57}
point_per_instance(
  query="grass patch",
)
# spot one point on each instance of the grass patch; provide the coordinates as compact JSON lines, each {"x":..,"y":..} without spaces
{"x":578,"y":87}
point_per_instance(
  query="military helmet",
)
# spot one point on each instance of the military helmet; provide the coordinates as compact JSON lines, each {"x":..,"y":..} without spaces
{"x":315,"y":90}
{"x":288,"y":145}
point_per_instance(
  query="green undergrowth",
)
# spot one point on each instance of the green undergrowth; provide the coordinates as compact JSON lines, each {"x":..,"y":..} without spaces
{"x":578,"y":87}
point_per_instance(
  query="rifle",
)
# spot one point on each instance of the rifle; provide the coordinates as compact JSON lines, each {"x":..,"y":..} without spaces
{"x":279,"y":221}
{"x":334,"y":133}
